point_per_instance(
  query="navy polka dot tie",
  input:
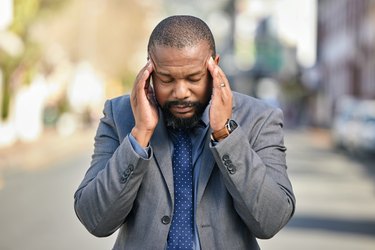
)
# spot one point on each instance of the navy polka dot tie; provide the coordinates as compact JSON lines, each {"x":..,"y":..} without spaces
{"x":181,"y":231}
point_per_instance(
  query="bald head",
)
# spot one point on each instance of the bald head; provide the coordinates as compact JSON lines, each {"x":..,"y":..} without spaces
{"x":180,"y":32}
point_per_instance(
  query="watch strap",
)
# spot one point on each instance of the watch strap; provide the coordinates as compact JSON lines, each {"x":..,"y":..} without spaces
{"x":220,"y":134}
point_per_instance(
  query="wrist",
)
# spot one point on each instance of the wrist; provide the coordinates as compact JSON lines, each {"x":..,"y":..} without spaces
{"x":142,"y":136}
{"x":229,"y":127}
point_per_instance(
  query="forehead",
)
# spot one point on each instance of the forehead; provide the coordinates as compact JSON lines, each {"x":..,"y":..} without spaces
{"x":168,"y":60}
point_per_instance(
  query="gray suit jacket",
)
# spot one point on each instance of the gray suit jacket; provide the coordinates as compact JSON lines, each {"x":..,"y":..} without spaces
{"x":243,"y":191}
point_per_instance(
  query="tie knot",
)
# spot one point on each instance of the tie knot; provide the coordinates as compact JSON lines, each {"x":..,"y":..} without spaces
{"x":181,"y":131}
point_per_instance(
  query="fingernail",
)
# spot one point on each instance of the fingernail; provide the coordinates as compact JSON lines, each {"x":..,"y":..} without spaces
{"x":211,"y":60}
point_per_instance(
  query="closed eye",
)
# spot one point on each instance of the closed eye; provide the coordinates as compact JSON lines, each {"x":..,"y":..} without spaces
{"x":165,"y":79}
{"x":194,"y":79}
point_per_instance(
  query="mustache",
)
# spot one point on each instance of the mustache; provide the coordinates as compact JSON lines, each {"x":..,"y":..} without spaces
{"x":169,"y":104}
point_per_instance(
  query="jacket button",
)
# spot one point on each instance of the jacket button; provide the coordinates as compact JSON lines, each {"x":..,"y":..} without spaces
{"x":231,"y":169}
{"x":227,"y":163}
{"x":225,"y":157}
{"x":165,"y":220}
{"x":123,"y":179}
{"x":127,"y":172}
{"x":131,"y":167}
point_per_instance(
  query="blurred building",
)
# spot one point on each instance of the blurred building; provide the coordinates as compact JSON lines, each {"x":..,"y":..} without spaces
{"x":345,"y":54}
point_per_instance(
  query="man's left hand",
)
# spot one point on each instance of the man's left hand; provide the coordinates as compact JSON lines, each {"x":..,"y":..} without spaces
{"x":221,"y":100}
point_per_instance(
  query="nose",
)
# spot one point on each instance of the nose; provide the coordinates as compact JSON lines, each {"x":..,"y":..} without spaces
{"x":181,"y":90}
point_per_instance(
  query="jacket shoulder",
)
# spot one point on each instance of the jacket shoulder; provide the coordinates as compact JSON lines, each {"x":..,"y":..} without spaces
{"x":120,"y":102}
{"x":250,"y":110}
{"x":120,"y":111}
{"x":251,"y":104}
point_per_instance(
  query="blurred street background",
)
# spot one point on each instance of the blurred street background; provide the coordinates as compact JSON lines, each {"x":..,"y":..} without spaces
{"x":61,"y":59}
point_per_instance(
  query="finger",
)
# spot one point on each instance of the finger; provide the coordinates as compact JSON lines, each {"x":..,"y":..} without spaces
{"x":145,"y":76}
{"x":217,"y":81}
{"x":218,"y":76}
{"x":151,"y":96}
{"x":225,"y":90}
{"x":224,"y":78}
{"x":141,"y":81}
{"x":214,"y":72}
{"x":210,"y":65}
{"x":220,"y":83}
{"x":221,"y":79}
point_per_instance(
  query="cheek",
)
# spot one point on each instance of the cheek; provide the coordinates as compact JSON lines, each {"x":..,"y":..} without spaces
{"x":160,"y":94}
{"x":205,"y":90}
{"x":199,"y":94}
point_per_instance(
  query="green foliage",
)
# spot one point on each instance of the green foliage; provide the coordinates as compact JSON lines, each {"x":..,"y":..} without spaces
{"x":24,"y":13}
{"x":21,"y":69}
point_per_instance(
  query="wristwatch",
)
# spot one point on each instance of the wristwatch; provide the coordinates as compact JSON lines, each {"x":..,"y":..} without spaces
{"x":229,"y":126}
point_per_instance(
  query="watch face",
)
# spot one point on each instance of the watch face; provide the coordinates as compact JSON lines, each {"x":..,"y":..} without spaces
{"x":232,"y":125}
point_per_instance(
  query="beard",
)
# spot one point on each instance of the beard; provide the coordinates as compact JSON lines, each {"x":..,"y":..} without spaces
{"x":179,"y":122}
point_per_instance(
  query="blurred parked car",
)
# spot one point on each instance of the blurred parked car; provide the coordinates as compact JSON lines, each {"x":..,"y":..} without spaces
{"x":343,"y":123}
{"x":354,"y":125}
{"x":366,"y":133}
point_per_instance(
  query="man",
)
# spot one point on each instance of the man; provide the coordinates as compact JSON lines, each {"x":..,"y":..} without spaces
{"x":184,"y":162}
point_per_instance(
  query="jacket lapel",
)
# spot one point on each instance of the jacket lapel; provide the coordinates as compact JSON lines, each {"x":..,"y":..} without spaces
{"x":208,"y":163}
{"x":163,"y":158}
{"x":162,"y":154}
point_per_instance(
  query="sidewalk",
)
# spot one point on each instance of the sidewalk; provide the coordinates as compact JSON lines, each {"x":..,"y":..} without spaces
{"x":50,"y":147}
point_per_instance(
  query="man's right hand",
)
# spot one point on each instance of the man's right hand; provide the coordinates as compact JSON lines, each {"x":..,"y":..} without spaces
{"x":144,"y":106}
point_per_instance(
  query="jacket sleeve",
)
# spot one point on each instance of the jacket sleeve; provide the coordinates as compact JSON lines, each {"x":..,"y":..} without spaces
{"x":107,"y":193}
{"x":254,"y":172}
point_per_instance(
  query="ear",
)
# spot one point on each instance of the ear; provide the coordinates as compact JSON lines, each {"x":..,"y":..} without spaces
{"x":217,"y":59}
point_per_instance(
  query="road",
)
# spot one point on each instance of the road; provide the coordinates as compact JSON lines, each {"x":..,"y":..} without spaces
{"x":36,"y":211}
{"x":335,"y":198}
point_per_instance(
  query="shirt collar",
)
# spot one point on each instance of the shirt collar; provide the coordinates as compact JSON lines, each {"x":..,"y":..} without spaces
{"x":205,"y":119}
